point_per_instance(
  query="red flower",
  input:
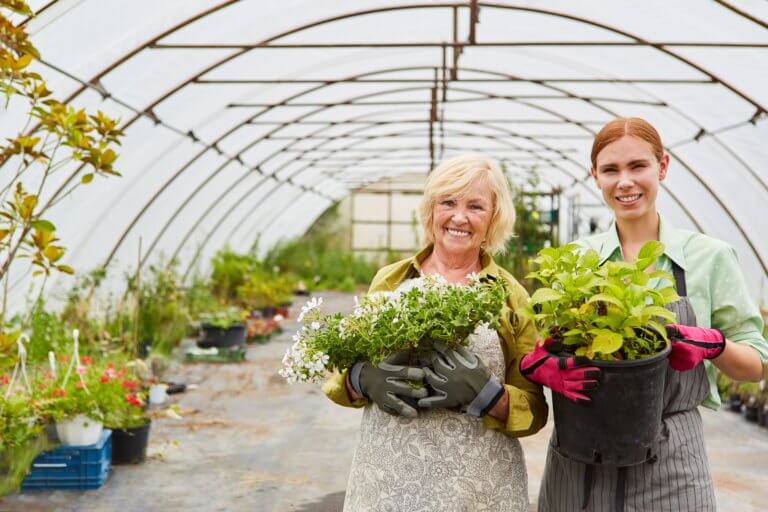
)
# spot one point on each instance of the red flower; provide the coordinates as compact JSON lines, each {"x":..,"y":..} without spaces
{"x":110,"y":366}
{"x":130,"y":385}
{"x":104,"y":379}
{"x":79,"y":384}
{"x":59,"y":392}
{"x":48,"y":375}
{"x":133,"y":400}
{"x":86,"y":360}
{"x":4,"y":379}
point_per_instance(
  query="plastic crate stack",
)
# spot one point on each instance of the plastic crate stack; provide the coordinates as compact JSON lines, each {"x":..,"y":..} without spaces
{"x":72,"y":467}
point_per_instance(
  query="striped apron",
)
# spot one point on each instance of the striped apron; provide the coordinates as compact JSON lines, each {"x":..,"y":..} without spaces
{"x":675,"y":478}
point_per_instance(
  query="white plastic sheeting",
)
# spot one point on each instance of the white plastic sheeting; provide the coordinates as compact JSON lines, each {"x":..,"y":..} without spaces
{"x":227,"y":142}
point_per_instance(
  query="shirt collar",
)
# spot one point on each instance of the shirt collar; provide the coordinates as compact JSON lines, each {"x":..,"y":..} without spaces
{"x":668,"y":235}
{"x":489,"y":267}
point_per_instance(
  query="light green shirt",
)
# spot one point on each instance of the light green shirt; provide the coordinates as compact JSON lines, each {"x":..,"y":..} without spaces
{"x":716,"y":287}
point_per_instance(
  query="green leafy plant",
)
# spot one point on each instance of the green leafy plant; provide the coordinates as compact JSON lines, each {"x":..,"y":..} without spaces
{"x":611,"y":312}
{"x":223,"y":318}
{"x":425,"y":311}
{"x":263,"y":290}
{"x":162,"y":316}
{"x":21,"y":439}
{"x":53,"y":136}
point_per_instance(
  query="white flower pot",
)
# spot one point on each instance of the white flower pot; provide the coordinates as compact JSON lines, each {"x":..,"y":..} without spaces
{"x":157,"y":394}
{"x":79,"y":430}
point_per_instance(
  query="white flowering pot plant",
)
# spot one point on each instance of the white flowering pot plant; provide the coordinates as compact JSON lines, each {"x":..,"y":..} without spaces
{"x":424,"y":311}
{"x":613,"y":314}
{"x":225,"y":328}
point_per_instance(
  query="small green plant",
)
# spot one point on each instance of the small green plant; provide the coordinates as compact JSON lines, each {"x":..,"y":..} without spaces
{"x":223,"y":318}
{"x":261,"y":291}
{"x":608,"y":312}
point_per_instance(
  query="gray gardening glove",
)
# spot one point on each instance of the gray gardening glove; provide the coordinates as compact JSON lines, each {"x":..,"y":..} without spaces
{"x":459,"y":379}
{"x":387,"y":384}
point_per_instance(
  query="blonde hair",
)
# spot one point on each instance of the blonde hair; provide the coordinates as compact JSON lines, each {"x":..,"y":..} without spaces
{"x":455,"y":175}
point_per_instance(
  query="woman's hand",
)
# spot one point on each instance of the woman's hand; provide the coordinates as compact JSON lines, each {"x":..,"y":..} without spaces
{"x":692,"y":345}
{"x":387,"y":384}
{"x":569,"y":376}
{"x":459,"y":379}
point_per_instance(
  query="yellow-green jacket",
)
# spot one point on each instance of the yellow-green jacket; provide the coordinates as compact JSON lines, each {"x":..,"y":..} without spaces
{"x":527,"y":406}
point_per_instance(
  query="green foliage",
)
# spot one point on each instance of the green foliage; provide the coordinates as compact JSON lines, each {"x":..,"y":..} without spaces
{"x":531,"y":233}
{"x":321,"y":258}
{"x":47,"y":333}
{"x":162,"y":318}
{"x":429,"y":310}
{"x":262,"y":290}
{"x":21,"y":440}
{"x":54,"y":135}
{"x":223,"y":318}
{"x":230,"y":271}
{"x":198,"y":298}
{"x":609,"y":312}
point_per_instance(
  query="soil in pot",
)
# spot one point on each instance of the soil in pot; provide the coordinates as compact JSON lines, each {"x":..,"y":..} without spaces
{"x":620,"y":424}
{"x":218,"y":337}
{"x":129,"y":445}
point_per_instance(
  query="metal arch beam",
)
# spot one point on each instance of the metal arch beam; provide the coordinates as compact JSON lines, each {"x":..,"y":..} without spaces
{"x":232,"y":130}
{"x":275,"y":186}
{"x":574,"y":18}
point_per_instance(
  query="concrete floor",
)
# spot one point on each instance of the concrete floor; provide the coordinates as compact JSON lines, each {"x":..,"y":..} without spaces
{"x":250,"y":442}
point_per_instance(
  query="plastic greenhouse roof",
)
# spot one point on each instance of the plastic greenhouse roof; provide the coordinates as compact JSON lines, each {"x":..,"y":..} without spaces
{"x":249,"y":118}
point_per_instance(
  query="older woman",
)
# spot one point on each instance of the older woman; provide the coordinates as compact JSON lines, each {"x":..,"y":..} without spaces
{"x":419,"y":452}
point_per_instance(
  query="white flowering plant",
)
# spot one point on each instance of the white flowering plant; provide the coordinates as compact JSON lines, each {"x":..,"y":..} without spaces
{"x":423,"y":311}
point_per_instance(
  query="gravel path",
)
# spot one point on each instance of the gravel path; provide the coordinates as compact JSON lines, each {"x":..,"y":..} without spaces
{"x":249,"y":442}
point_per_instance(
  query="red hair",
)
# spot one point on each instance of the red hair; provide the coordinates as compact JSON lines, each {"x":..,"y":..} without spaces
{"x":621,"y":126}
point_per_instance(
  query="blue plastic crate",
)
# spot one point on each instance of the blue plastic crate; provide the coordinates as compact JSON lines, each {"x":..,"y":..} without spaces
{"x":72,"y":467}
{"x":91,"y":454}
{"x":74,"y":484}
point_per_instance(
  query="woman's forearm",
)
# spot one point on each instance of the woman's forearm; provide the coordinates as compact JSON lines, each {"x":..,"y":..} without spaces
{"x":740,"y":362}
{"x":500,"y":411}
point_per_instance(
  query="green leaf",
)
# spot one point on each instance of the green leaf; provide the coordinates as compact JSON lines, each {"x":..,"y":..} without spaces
{"x":649,"y":253}
{"x":545,"y":295}
{"x":590,"y":259}
{"x":607,"y":342}
{"x":658,"y":311}
{"x":604,"y":297}
{"x":43,"y":225}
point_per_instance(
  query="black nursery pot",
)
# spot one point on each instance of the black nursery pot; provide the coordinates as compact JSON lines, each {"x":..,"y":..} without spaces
{"x":232,"y":336}
{"x":750,"y":413}
{"x":620,"y":424}
{"x":734,"y":403}
{"x":129,"y":446}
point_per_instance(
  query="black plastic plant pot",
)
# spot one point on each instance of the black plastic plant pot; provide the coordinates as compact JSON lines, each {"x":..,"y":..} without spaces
{"x":620,"y":424}
{"x":734,"y":403}
{"x":129,"y":445}
{"x":762,"y":415}
{"x":218,"y":337}
{"x":750,"y":413}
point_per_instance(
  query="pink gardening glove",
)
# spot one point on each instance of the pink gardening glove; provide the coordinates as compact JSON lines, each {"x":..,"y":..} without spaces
{"x":565,"y":375}
{"x":692,"y":345}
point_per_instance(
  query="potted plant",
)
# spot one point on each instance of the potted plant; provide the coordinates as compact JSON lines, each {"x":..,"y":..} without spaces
{"x":224,"y":328}
{"x":72,"y":402}
{"x":123,"y":405}
{"x":749,"y":396}
{"x":613,"y":314}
